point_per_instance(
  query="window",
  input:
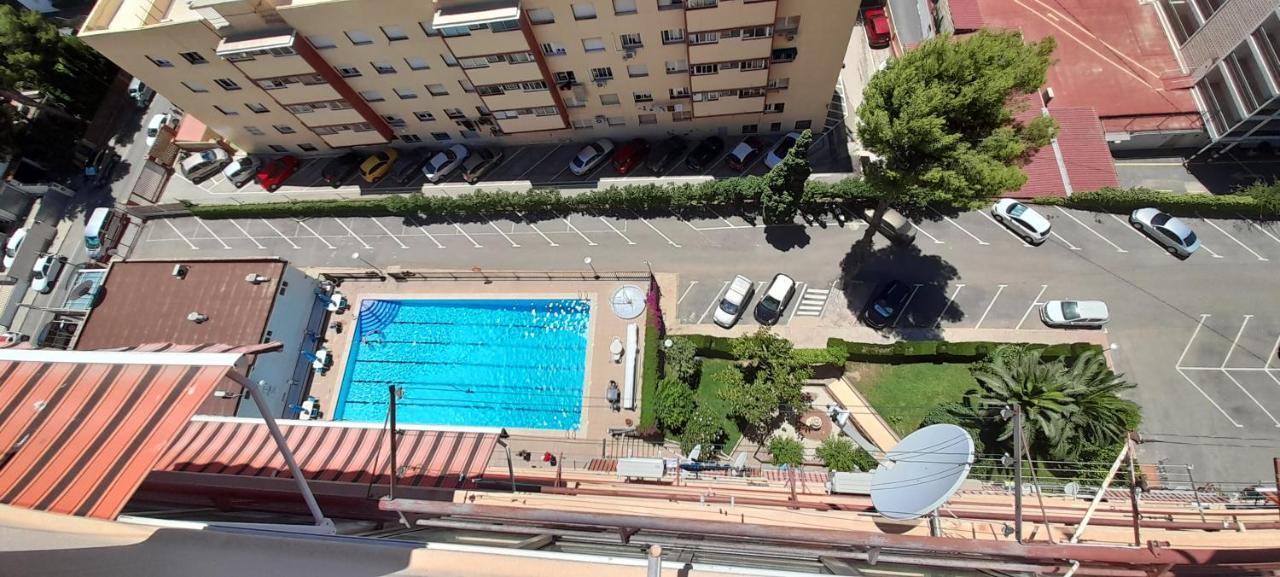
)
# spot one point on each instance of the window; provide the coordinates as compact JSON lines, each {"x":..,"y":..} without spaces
{"x":321,"y":42}
{"x":225,"y":112}
{"x":533,"y":85}
{"x":437,"y":89}
{"x":307,"y":147}
{"x":161,"y":62}
{"x":727,"y":66}
{"x":394,"y":120}
{"x":441,"y":136}
{"x":256,"y":107}
{"x":449,"y":60}
{"x":371,"y":96}
{"x":704,"y":69}
{"x":774,"y":107}
{"x":195,"y":87}
{"x":677,"y":66}
{"x":642,"y":96}
{"x":394,"y":33}
{"x":358,"y":38}
{"x":621,"y":7}
{"x":283,"y":128}
{"x":254,"y":130}
{"x":383,"y":67}
{"x":704,"y":37}
{"x":757,"y":32}
{"x":566,"y":77}
{"x":786,"y":25}
{"x":410,"y":138}
{"x":695,"y":4}
{"x":473,"y":63}
{"x":648,"y":118}
{"x":681,"y":92}
{"x":784,"y":55}
{"x":775,"y":127}
{"x":637,"y":70}
{"x":584,"y":11}
{"x":553,"y":49}
{"x":467,"y":86}
{"x":593,"y":44}
{"x":668,"y":4}
{"x":454,"y":31}
{"x":540,"y":15}
{"x":504,"y":25}
{"x":415,"y":63}
{"x":673,"y":36}
{"x":751,"y":93}
{"x":630,"y":40}
{"x":193,"y":57}
{"x":454,"y":113}
{"x":779,"y":83}
{"x":617,"y":121}
{"x":757,"y":64}
{"x":226,"y":84}
{"x":803,"y":124}
{"x":602,"y":74}
{"x":424,"y":116}
{"x":520,"y":58}
{"x":583,"y":124}
{"x":406,"y":93}
{"x":274,"y":83}
{"x":609,"y":100}
{"x":280,"y":149}
{"x":750,"y":128}
{"x":683,"y":116}
{"x":348,"y":71}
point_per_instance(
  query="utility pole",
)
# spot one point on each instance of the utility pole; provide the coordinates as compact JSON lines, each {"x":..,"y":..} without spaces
{"x":1018,"y":442}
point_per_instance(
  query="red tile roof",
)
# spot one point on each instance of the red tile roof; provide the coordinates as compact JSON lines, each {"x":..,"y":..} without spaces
{"x":966,"y":15}
{"x":1078,"y":160}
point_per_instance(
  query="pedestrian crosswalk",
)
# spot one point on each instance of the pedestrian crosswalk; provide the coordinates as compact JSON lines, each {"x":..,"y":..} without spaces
{"x":812,"y":302}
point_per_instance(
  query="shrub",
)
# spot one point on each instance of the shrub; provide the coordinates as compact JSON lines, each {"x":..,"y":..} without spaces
{"x":702,"y":428}
{"x":786,"y":451}
{"x":680,"y":361}
{"x":837,"y":453}
{"x":649,"y":371}
{"x":1120,"y":200}
{"x":674,"y":404}
{"x":864,"y":461}
{"x":816,"y":357}
{"x":946,"y":352}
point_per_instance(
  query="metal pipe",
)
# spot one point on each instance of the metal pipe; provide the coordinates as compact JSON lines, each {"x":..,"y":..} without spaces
{"x":1276,"y":463}
{"x":1133,"y":497}
{"x":1097,"y":498}
{"x":391,"y":417}
{"x":1196,"y":491}
{"x":655,"y":561}
{"x":1017,"y":472}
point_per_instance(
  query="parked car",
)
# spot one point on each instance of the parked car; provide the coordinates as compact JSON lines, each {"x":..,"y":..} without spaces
{"x":665,"y":154}
{"x":241,"y":169}
{"x":410,"y":165}
{"x":445,"y":162}
{"x":44,"y":275}
{"x":591,"y":156}
{"x":883,"y":308}
{"x":157,"y":122}
{"x":893,"y":226}
{"x":11,"y":247}
{"x":340,"y":169}
{"x":745,"y":153}
{"x":140,"y":93}
{"x":378,"y":164}
{"x":876,"y":22}
{"x":734,"y":302}
{"x":781,"y":149}
{"x":775,"y":300}
{"x":276,"y":171}
{"x":705,"y":153}
{"x":630,"y":155}
{"x":1023,"y":220}
{"x":1092,"y":314}
{"x":100,"y":169}
{"x":1173,"y":234}
{"x":199,"y":166}
{"x":480,"y":163}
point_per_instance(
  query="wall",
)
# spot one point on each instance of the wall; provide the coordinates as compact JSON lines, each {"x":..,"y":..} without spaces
{"x":1224,"y":30}
{"x":287,"y":324}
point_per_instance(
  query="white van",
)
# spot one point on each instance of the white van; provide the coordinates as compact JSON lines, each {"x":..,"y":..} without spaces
{"x":140,"y":93}
{"x":201,"y":165}
{"x":102,"y":232}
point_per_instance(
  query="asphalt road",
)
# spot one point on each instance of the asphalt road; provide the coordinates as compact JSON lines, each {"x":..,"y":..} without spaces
{"x":1198,"y":336}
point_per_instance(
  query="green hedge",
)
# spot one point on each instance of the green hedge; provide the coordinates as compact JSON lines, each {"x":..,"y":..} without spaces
{"x":712,"y":347}
{"x":743,"y":192}
{"x":1124,"y":201}
{"x":945,"y":352}
{"x":650,"y":374}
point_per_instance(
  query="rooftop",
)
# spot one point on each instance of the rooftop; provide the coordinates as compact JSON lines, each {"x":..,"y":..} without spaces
{"x":1078,"y":160}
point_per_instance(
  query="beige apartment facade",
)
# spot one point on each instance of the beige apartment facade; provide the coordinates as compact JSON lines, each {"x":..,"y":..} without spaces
{"x":313,"y":76}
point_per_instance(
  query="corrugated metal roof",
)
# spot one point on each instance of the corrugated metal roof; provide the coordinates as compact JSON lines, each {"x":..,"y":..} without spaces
{"x":965,"y":15}
{"x":345,"y":452}
{"x":1084,"y":149}
{"x":79,"y":431}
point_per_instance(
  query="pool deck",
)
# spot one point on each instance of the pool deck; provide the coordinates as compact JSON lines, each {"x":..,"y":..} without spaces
{"x":604,"y":325}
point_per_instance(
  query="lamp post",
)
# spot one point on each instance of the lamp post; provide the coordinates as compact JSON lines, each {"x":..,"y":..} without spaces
{"x":649,"y":266}
{"x":594,"y":272}
{"x":356,"y":256}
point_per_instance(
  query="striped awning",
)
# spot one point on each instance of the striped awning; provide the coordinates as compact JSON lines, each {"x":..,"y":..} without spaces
{"x":336,"y":451}
{"x":79,"y":430}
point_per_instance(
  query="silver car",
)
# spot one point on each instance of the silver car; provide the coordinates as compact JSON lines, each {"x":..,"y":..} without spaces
{"x":734,"y":302}
{"x":1173,"y":234}
{"x":1022,"y":220}
{"x":1092,"y":314}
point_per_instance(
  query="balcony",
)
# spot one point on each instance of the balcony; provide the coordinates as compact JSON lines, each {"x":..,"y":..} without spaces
{"x":482,"y":16}
{"x":297,"y":93}
{"x":484,"y":42}
{"x":729,"y":79}
{"x":728,"y":105}
{"x":503,"y":73}
{"x":519,"y":99}
{"x":728,"y":49}
{"x":274,"y":66}
{"x":735,"y":14}
{"x":531,"y":123}
{"x":353,"y":138}
{"x":331,"y":117}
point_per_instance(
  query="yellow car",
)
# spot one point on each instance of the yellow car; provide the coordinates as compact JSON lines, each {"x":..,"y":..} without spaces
{"x":378,"y":165}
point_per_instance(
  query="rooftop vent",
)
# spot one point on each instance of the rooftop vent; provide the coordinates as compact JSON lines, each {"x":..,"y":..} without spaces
{"x":179,"y":271}
{"x":197,"y":317}
{"x":254,"y":278}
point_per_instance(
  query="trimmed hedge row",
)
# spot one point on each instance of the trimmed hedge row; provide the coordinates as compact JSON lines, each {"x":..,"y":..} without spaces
{"x":945,"y":352}
{"x":650,"y":369}
{"x":1126,"y":200}
{"x":739,"y":192}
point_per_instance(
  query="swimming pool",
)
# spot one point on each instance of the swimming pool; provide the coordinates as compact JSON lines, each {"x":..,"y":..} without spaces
{"x":498,"y":363}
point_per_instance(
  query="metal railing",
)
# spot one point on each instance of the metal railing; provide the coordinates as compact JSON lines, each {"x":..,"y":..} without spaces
{"x":495,"y":276}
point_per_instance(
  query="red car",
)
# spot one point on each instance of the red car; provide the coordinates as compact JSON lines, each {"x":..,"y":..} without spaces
{"x":630,"y":155}
{"x":275,"y":172}
{"x":877,"y":24}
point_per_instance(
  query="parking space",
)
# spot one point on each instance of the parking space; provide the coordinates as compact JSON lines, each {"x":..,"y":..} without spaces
{"x":1230,"y":361}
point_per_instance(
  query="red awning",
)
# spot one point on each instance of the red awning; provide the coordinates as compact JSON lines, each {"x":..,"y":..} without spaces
{"x":345,"y":452}
{"x":79,"y":430}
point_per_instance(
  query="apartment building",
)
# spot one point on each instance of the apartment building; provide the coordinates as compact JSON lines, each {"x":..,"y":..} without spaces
{"x":310,"y":76}
{"x":1230,"y":50}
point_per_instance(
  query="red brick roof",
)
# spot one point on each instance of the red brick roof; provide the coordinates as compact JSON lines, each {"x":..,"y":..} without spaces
{"x":966,"y":15}
{"x":1080,"y":161}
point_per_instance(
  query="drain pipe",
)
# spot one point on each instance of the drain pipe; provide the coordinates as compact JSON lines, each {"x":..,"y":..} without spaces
{"x":655,"y":561}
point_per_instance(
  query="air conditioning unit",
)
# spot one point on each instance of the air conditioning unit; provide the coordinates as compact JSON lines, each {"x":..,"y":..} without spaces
{"x":628,"y":55}
{"x":600,"y":119}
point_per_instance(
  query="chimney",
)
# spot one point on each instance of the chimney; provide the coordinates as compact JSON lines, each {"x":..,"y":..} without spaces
{"x":179,"y":271}
{"x":197,"y":317}
{"x":1047,"y":95}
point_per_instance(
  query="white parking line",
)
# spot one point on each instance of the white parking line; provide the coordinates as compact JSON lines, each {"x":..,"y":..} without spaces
{"x":539,"y":163}
{"x":313,"y":233}
{"x":215,"y":235}
{"x":464,"y":233}
{"x":514,"y":244}
{"x":1086,"y":227}
{"x":1235,"y":341}
{"x":726,"y":221}
{"x":384,"y":229}
{"x":655,"y":229}
{"x":914,"y":289}
{"x":1237,"y":241}
{"x":687,"y":290}
{"x":1251,"y":397}
{"x":575,"y":229}
{"x":1129,"y":226}
{"x":614,"y":229}
{"x":1191,"y":340}
{"x":714,"y":302}
{"x":277,"y":231}
{"x":246,"y":234}
{"x":999,"y":289}
{"x":1261,"y":229}
{"x":1271,"y":354}
{"x":180,"y":235}
{"x":1004,"y":228}
{"x":1063,"y":240}
{"x":1035,"y":302}
{"x":926,"y":233}
{"x":938,"y":324}
{"x":1193,"y":384}
{"x":957,"y":225}
{"x":1209,"y":250}
{"x":352,"y":233}
{"x":430,"y":236}
{"x":796,"y":306}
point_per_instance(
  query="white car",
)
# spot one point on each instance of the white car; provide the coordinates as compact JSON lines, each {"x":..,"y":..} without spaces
{"x":153,"y":127}
{"x":444,"y":162}
{"x":241,"y":170}
{"x":45,"y":272}
{"x":1022,"y":220}
{"x":1091,"y":314}
{"x":11,"y":247}
{"x":775,"y":300}
{"x":1173,"y":234}
{"x":591,"y":156}
{"x":780,"y":150}
{"x":734,"y":302}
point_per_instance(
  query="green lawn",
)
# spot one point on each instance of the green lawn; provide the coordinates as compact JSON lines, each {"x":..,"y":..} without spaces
{"x":904,"y":394}
{"x":707,"y":393}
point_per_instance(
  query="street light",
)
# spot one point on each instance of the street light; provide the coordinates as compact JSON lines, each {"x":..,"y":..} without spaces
{"x":356,"y":256}
{"x":594,"y":272}
{"x":649,"y":266}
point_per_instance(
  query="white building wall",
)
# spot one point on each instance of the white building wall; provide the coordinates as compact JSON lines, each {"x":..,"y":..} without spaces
{"x":288,"y":325}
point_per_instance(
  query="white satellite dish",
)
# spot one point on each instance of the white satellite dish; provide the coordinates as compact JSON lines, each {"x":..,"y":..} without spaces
{"x":922,"y":472}
{"x":628,"y":302}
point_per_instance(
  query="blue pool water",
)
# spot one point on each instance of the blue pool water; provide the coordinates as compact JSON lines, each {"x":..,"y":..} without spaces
{"x":501,"y":363}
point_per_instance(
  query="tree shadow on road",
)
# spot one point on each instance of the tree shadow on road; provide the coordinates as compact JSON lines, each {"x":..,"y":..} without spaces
{"x":785,"y":238}
{"x":865,"y":268}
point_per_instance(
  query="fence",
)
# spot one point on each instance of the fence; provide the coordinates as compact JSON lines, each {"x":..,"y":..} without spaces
{"x":487,"y":277}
